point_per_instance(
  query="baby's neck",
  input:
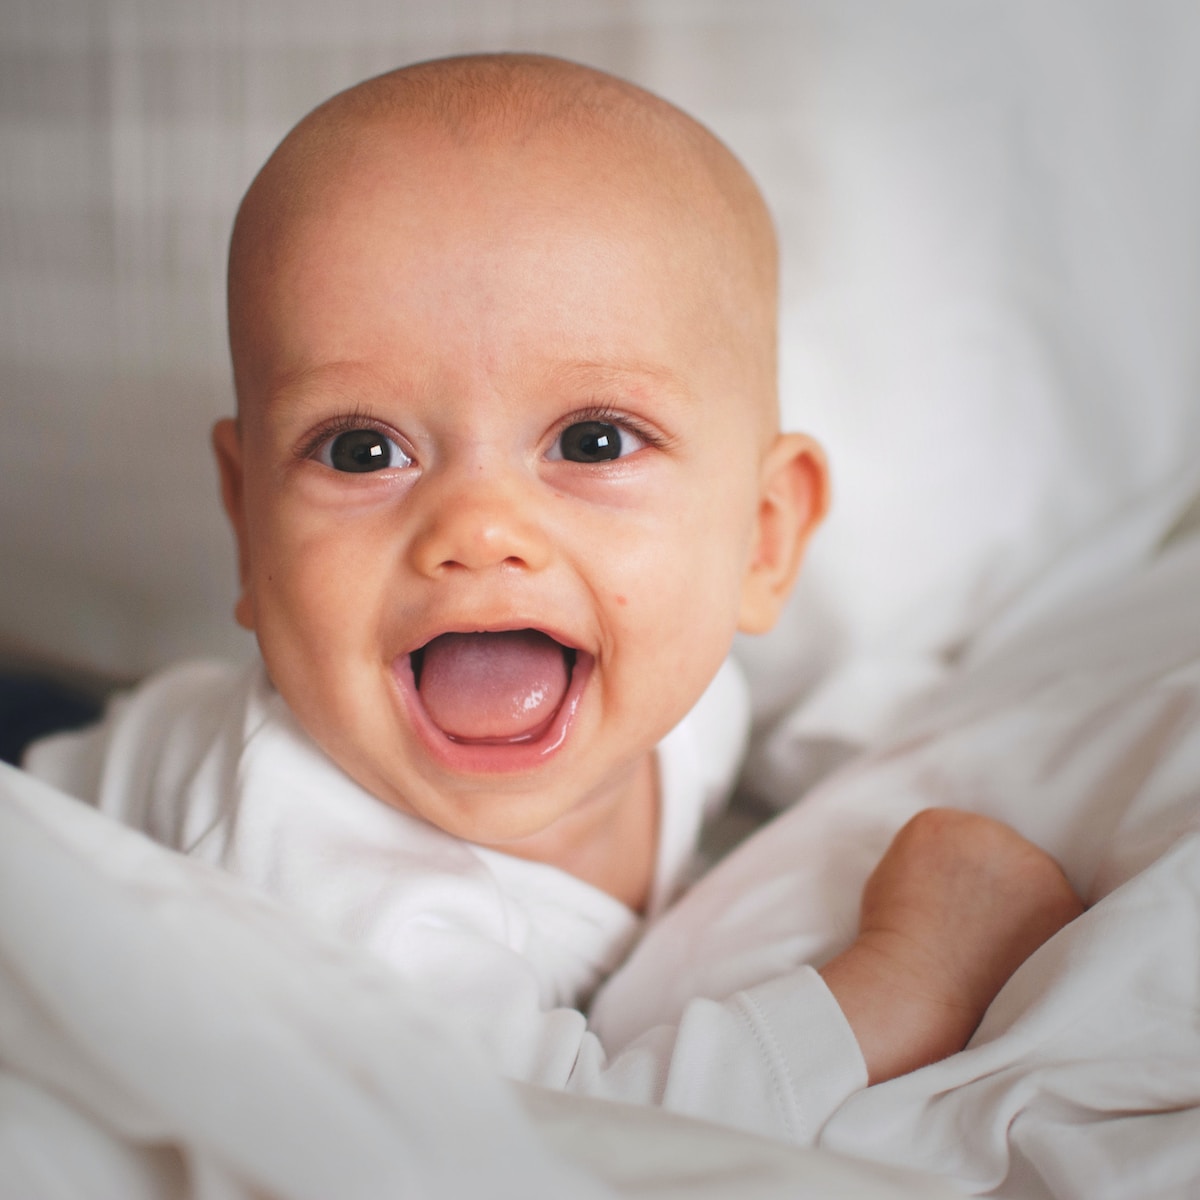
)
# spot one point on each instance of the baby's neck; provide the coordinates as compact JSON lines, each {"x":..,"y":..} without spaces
{"x":611,"y":842}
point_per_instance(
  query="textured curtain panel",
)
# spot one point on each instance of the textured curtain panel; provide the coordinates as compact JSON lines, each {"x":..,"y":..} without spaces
{"x":991,"y":288}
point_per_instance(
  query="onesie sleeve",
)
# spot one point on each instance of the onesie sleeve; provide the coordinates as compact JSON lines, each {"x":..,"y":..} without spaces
{"x":776,"y":1060}
{"x":135,"y":763}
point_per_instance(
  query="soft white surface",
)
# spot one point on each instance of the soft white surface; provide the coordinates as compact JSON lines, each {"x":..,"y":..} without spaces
{"x":987,"y":327}
{"x":165,"y":1034}
{"x":208,"y":760}
{"x":1084,"y":1079}
{"x":988,"y":217}
{"x":148,"y":1001}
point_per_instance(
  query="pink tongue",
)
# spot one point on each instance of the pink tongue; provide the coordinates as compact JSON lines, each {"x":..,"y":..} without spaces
{"x":492,"y":686}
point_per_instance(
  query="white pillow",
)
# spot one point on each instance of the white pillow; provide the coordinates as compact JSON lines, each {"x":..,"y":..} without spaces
{"x":991,"y":300}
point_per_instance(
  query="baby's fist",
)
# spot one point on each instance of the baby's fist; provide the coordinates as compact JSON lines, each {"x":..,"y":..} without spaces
{"x":954,"y":907}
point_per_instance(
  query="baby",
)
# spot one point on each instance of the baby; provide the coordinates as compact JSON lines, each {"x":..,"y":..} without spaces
{"x":506,"y":478}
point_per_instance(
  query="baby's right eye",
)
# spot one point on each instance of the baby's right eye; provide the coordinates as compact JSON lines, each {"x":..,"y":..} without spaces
{"x":360,"y":450}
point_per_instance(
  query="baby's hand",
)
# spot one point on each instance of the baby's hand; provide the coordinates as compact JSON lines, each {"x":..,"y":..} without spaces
{"x":956,"y":904}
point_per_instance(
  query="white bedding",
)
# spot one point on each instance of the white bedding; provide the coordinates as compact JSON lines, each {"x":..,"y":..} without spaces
{"x":157,"y":1024}
{"x":165,"y":1034}
{"x":1084,"y":1078}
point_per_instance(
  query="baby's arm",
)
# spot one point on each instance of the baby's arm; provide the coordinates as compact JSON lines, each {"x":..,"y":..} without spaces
{"x":956,"y":904}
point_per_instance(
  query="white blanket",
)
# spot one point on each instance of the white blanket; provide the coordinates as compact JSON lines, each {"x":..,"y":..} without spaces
{"x":1084,"y":1078}
{"x":165,"y":1033}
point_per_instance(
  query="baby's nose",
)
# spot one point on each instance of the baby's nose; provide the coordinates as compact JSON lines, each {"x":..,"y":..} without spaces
{"x":480,"y":522}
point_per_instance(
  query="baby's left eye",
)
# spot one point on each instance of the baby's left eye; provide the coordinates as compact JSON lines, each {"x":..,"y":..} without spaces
{"x":360,"y":450}
{"x":594,"y":442}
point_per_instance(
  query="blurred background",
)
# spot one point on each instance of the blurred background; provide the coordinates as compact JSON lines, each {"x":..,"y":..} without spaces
{"x":990,"y":301}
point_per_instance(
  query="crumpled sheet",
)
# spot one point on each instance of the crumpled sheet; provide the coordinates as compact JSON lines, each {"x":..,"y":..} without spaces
{"x":1083,"y":731}
{"x":165,"y":1033}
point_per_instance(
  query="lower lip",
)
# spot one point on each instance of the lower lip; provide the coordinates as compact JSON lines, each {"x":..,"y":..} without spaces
{"x":492,"y":758}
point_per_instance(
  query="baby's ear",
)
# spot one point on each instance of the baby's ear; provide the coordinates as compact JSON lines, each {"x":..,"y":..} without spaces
{"x":227,"y":445}
{"x":793,"y":497}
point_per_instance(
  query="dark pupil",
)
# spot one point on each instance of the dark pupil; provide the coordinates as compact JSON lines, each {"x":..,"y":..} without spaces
{"x":591,"y":441}
{"x":360,"y":450}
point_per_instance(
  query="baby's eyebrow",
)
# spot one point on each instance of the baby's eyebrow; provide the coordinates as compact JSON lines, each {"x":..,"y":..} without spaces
{"x":292,"y":387}
{"x":350,"y":381}
{"x":623,"y":377}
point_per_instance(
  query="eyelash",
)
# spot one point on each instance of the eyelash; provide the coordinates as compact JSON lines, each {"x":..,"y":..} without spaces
{"x":361,"y":419}
{"x":607,"y":415}
{"x":346,"y":423}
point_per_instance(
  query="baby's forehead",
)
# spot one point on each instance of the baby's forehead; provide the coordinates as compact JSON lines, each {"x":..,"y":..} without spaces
{"x":546,"y":137}
{"x":500,"y":113}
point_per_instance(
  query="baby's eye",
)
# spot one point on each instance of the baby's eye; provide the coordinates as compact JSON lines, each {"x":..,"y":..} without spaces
{"x":359,"y":450}
{"x":594,"y":442}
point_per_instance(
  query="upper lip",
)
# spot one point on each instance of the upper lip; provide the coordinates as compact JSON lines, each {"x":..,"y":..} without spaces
{"x":566,"y":640}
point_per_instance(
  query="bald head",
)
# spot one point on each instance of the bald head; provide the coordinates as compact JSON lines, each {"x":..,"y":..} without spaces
{"x":503,"y":332}
{"x":514,"y":117}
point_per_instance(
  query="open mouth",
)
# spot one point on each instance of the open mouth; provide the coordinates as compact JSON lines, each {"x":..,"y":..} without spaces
{"x":505,"y":688}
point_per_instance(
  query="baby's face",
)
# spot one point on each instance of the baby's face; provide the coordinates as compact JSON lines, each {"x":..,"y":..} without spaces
{"x":486,"y":394}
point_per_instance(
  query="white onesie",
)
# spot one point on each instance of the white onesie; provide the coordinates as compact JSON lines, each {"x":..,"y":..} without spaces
{"x":209,"y":761}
